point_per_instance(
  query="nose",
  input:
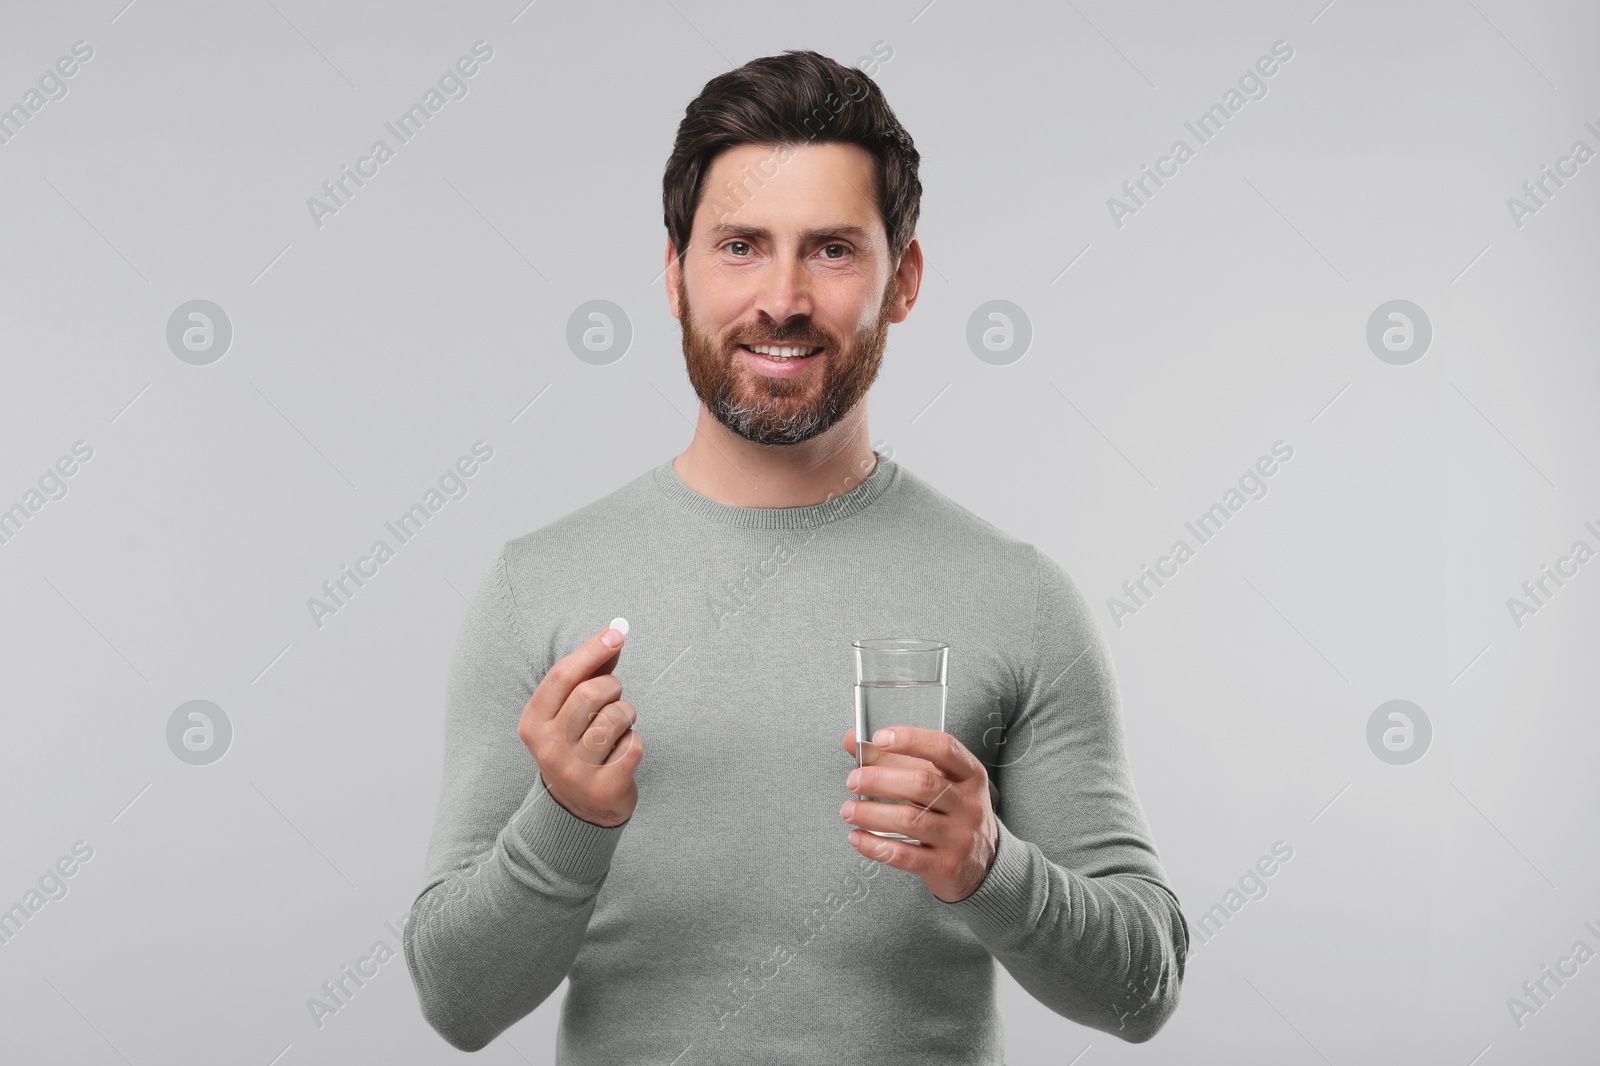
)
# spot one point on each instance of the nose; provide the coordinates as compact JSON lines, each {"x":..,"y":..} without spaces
{"x":785,"y":290}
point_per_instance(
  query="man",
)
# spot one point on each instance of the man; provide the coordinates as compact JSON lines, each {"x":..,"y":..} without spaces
{"x":708,"y":900}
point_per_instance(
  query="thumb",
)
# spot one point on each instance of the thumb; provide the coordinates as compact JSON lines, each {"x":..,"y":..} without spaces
{"x":612,"y":636}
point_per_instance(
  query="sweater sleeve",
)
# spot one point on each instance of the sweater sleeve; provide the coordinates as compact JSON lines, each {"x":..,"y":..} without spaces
{"x":511,"y":875}
{"x":1076,"y":905}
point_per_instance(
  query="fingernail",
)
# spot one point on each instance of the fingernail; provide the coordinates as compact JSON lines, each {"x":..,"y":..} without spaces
{"x":611,"y":638}
{"x":853,"y":780}
{"x":869,"y":753}
{"x":884,"y":737}
{"x":848,"y":809}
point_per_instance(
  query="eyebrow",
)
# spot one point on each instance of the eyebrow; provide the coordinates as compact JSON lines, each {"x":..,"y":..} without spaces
{"x":728,"y":229}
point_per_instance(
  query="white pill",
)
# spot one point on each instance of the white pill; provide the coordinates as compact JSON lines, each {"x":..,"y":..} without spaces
{"x":620,"y":625}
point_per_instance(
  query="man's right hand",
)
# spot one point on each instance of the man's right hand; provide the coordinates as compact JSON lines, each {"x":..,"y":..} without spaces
{"x":580,"y":734}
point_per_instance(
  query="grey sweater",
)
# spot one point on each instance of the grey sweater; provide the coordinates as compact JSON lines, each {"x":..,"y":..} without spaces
{"x":729,"y":920}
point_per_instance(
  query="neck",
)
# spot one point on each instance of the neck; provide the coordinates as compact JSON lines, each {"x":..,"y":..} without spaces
{"x":725,"y":467}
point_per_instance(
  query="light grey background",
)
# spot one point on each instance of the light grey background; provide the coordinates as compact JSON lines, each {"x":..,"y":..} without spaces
{"x":368,"y":354}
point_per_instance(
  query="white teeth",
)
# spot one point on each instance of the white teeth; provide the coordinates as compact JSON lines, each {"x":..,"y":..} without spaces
{"x":774,"y":351}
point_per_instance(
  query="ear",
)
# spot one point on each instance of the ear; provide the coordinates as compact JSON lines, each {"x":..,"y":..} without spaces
{"x":673,"y":273}
{"x":908,"y":276}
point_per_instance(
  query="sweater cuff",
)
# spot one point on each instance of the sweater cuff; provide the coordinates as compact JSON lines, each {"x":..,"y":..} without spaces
{"x":547,"y":833}
{"x":998,"y":908}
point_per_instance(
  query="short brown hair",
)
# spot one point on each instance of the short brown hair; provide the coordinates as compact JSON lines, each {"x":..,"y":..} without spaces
{"x":791,"y":100}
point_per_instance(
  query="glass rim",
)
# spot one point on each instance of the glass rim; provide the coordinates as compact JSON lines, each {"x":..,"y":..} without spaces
{"x":898,"y":645}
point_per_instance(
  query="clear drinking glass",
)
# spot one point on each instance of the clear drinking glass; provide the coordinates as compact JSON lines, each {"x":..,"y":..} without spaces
{"x":899,"y":681}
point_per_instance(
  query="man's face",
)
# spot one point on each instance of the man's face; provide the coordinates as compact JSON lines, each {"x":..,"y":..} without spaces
{"x":800,"y":259}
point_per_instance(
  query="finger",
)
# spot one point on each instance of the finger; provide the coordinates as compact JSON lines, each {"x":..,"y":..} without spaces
{"x":927,"y":828}
{"x":605,"y":731}
{"x":897,"y":853}
{"x":625,"y":754}
{"x":922,"y":786}
{"x":589,"y":659}
{"x":587,"y":700}
{"x":948,"y":754}
{"x":873,"y":755}
{"x":869,"y":751}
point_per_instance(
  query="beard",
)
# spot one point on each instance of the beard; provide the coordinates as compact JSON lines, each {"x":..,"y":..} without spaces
{"x":768,"y":410}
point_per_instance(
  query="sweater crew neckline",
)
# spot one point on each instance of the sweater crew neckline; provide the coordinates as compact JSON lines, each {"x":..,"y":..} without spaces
{"x":808,"y":516}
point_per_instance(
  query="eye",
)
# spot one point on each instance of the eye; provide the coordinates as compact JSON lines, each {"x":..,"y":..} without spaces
{"x":731,"y":244}
{"x":844,"y":250}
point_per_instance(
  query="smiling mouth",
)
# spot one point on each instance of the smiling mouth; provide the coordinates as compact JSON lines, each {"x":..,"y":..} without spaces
{"x":781,"y":352}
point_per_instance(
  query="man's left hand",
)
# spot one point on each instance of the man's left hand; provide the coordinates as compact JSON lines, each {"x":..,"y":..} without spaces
{"x":947,"y":792}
